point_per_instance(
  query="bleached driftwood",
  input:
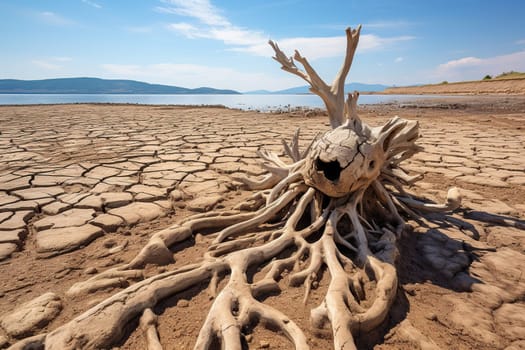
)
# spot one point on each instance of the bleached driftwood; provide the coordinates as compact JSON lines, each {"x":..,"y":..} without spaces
{"x":337,"y":207}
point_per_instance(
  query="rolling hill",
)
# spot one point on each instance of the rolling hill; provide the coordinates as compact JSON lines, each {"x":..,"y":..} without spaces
{"x":97,"y":86}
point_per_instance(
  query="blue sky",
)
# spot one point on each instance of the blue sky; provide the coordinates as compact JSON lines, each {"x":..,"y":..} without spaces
{"x":223,"y":43}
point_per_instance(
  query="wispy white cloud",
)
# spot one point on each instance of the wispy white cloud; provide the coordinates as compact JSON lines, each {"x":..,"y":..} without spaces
{"x":323,"y":47}
{"x":51,"y":63}
{"x":230,"y":35}
{"x":459,"y":63}
{"x":470,"y":68}
{"x":199,"y":19}
{"x":54,"y":19}
{"x":237,"y":36}
{"x":46,"y":65}
{"x":399,"y":59}
{"x":201,"y":10}
{"x":193,"y":76}
{"x":211,"y":24}
{"x":187,"y":30}
{"x":61,"y":59}
{"x":520,"y":42}
{"x":92,"y":4}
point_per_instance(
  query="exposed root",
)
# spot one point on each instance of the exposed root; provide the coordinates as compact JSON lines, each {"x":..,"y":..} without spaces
{"x":453,"y":202}
{"x":113,"y":278}
{"x":100,"y":326}
{"x":148,"y":323}
{"x":267,"y":181}
{"x":237,"y":246}
{"x":34,"y":342}
{"x":235,"y":250}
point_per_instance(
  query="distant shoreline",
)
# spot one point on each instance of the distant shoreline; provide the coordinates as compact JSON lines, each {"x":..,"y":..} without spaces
{"x":463,"y":102}
{"x":481,"y":87}
{"x":264,"y":103}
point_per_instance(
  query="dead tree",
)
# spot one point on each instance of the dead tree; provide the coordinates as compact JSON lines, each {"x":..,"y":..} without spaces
{"x":337,"y":206}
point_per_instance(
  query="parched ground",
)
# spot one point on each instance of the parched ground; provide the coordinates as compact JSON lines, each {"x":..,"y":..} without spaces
{"x":83,"y":187}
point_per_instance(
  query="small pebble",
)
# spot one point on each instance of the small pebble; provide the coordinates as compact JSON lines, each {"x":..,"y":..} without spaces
{"x":183,"y":303}
{"x":263,"y":344}
{"x":109,"y":243}
{"x":91,"y":270}
{"x":177,"y":195}
{"x":119,"y":248}
{"x":431,"y":316}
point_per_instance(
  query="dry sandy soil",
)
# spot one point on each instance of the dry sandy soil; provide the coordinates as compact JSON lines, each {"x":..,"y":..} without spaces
{"x":499,"y":86}
{"x":83,"y":187}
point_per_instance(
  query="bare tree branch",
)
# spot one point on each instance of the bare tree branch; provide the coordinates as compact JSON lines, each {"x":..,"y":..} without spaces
{"x":332,"y":95}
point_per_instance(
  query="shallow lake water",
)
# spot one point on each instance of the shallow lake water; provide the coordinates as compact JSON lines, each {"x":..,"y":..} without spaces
{"x":246,"y":102}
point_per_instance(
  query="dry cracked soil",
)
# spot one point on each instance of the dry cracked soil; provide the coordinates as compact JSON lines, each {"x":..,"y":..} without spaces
{"x":83,"y":187}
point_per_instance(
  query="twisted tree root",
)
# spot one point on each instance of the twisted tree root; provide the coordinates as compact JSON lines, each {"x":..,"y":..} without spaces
{"x":148,"y":323}
{"x":237,"y":246}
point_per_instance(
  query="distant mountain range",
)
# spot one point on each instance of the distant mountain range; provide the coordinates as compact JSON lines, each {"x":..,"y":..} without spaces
{"x":306,"y":90}
{"x":110,"y":86}
{"x":97,"y":86}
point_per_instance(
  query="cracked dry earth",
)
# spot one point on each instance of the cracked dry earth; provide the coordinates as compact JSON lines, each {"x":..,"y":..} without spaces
{"x":83,"y":187}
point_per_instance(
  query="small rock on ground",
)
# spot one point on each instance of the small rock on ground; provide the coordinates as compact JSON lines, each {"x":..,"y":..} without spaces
{"x":32,"y":316}
{"x":6,"y":249}
{"x":202,"y":204}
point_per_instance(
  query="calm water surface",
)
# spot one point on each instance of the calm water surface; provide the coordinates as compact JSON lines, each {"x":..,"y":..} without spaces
{"x":246,"y":102}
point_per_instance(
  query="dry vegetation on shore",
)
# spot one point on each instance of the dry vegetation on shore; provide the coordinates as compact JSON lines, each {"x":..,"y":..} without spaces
{"x":512,"y":83}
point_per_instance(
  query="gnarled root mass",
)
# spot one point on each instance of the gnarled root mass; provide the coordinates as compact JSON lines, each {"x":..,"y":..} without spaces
{"x":352,"y":237}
